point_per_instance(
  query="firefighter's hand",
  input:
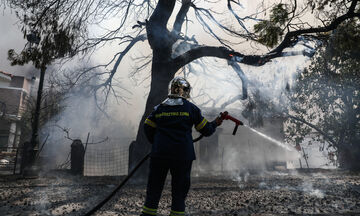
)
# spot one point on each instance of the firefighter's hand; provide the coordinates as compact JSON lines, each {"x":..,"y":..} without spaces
{"x":218,"y":121}
{"x":241,"y":123}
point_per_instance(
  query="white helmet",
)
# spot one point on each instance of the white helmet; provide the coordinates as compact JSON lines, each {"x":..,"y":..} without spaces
{"x":179,"y":87}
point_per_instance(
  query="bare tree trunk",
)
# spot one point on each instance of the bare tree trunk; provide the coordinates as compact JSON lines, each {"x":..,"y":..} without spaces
{"x":35,"y":123}
{"x":349,"y":157}
{"x":29,"y":154}
{"x":349,"y":150}
{"x":161,"y":76}
{"x":162,"y":72}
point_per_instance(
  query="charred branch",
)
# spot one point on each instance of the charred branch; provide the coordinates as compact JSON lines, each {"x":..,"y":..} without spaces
{"x":290,"y":39}
{"x":239,"y":19}
{"x":180,"y":18}
{"x":231,"y":101}
{"x":219,"y":52}
{"x":158,"y":35}
{"x":121,"y":56}
{"x":242,"y":76}
{"x":202,"y":12}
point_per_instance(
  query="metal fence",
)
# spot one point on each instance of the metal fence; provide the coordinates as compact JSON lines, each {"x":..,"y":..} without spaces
{"x":106,"y":159}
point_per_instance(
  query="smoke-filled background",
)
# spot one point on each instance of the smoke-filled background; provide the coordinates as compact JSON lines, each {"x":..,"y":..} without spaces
{"x":114,"y":124}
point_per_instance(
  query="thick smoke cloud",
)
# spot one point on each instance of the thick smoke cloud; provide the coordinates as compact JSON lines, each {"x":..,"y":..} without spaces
{"x":215,"y":83}
{"x":81,"y":117}
{"x":212,"y":86}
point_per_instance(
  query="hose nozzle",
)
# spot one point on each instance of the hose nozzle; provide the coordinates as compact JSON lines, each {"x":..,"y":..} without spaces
{"x":225,"y":116}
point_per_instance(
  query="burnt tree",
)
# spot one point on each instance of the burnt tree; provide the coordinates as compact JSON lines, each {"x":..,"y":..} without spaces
{"x":281,"y":28}
{"x":164,"y":66}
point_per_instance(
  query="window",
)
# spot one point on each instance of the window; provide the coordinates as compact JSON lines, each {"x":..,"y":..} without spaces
{"x":4,"y":140}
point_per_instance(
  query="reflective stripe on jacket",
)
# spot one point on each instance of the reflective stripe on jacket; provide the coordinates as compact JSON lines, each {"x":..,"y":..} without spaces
{"x":169,"y":129}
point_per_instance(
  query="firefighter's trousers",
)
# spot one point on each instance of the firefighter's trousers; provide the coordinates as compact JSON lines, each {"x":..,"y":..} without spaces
{"x":180,"y":184}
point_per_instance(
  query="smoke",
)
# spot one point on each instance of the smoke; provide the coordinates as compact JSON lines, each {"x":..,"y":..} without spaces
{"x":308,"y":188}
{"x":308,"y":185}
{"x":216,"y":85}
{"x":80,"y":117}
{"x":118,"y":121}
{"x":316,"y":156}
{"x":213,"y":87}
{"x":42,"y":201}
{"x":249,"y":151}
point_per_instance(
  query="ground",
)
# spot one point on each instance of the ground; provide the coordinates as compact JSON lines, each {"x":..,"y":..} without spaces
{"x":302,"y":192}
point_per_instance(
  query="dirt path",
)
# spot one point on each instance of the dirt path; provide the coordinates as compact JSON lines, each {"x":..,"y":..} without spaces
{"x":316,"y":192}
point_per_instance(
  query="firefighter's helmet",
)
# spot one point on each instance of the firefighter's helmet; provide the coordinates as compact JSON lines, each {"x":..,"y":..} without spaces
{"x":179,"y":87}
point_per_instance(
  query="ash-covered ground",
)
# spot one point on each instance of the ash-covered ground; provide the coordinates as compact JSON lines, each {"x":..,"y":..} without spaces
{"x":321,"y":192}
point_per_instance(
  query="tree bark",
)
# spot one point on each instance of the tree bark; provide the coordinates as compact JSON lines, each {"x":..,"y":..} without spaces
{"x":162,"y":71}
{"x":35,"y":123}
{"x":161,"y":75}
{"x":161,"y":41}
{"x":349,"y":148}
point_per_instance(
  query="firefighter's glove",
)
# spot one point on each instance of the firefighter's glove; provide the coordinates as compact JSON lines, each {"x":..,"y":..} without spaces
{"x":241,"y":123}
{"x":218,"y":121}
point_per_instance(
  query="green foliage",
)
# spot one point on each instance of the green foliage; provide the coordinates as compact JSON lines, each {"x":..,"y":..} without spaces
{"x":279,"y":14}
{"x":346,"y":41}
{"x":50,"y":35}
{"x":322,"y":4}
{"x":327,"y":95}
{"x":269,"y":32}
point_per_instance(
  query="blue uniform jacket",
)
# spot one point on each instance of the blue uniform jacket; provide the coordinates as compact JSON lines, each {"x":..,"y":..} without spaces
{"x":169,"y":128}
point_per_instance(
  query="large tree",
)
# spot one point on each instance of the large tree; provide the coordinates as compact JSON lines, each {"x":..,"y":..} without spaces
{"x":277,"y":25}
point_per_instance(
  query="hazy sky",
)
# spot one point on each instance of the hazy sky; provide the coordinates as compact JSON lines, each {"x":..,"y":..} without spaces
{"x":11,"y":38}
{"x":217,"y":78}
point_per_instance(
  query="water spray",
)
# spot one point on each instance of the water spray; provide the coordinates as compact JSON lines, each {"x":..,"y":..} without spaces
{"x":225,"y":116}
{"x":270,"y":139}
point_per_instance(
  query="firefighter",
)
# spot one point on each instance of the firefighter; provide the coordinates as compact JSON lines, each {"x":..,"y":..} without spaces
{"x":169,"y":130}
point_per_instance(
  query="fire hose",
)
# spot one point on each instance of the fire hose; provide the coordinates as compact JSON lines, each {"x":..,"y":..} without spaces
{"x":224,"y":116}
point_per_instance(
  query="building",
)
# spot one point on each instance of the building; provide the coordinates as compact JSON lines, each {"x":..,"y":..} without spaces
{"x":14,"y":91}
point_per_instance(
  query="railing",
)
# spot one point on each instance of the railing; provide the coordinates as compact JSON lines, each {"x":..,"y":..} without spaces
{"x":9,"y":160}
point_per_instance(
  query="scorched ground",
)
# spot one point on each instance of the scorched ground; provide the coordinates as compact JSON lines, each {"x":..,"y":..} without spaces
{"x":324,"y":192}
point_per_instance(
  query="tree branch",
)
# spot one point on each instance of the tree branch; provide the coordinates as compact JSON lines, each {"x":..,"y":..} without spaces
{"x":180,"y":17}
{"x":219,"y":52}
{"x":123,"y":53}
{"x":327,"y":137}
{"x":240,"y":20}
{"x":257,"y":60}
{"x":157,"y":32}
{"x":242,"y":76}
{"x":291,"y":36}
